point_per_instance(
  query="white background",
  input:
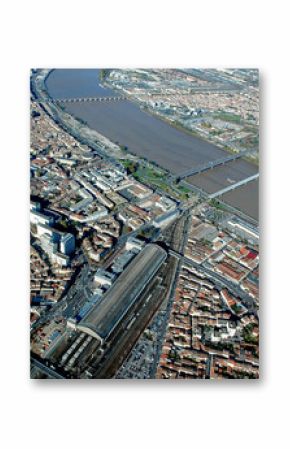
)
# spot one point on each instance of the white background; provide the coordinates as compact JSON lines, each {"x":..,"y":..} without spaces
{"x":151,"y":414}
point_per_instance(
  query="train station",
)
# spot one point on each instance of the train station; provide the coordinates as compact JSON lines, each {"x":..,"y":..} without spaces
{"x":104,"y":318}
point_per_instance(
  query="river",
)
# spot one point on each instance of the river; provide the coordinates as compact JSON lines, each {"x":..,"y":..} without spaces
{"x":124,"y":122}
{"x":145,"y":135}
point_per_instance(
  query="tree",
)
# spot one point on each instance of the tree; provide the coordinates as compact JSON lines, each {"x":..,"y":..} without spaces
{"x":103,"y":74}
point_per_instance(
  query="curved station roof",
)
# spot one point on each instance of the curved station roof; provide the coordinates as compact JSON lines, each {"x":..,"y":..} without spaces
{"x":116,"y":302}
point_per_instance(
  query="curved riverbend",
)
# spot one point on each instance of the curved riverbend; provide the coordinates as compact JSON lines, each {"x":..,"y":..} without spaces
{"x":124,"y":122}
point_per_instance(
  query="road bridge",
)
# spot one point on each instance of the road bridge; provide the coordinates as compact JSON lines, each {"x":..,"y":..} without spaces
{"x":234,"y":186}
{"x":212,"y":164}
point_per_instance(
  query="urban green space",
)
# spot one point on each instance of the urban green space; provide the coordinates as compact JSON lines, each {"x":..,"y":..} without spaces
{"x":156,"y":177}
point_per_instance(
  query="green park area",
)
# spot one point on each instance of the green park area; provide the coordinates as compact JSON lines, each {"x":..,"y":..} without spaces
{"x":156,"y":177}
{"x":228,"y":117}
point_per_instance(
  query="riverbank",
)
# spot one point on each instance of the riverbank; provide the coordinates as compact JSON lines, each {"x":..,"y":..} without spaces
{"x":144,"y":135}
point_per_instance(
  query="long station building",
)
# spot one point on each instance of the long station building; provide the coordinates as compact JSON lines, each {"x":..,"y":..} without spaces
{"x":120,"y":299}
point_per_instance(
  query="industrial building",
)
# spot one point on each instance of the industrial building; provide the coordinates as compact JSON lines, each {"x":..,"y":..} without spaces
{"x":114,"y":306}
{"x":165,"y":219}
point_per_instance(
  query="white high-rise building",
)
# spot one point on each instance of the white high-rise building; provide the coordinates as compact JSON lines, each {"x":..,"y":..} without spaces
{"x":67,"y":244}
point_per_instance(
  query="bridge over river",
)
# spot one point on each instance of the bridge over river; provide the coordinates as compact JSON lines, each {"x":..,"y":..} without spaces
{"x":81,"y":99}
{"x":212,"y":164}
{"x":234,"y":186}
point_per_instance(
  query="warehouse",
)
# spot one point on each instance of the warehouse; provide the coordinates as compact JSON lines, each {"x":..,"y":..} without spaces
{"x":103,"y":319}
